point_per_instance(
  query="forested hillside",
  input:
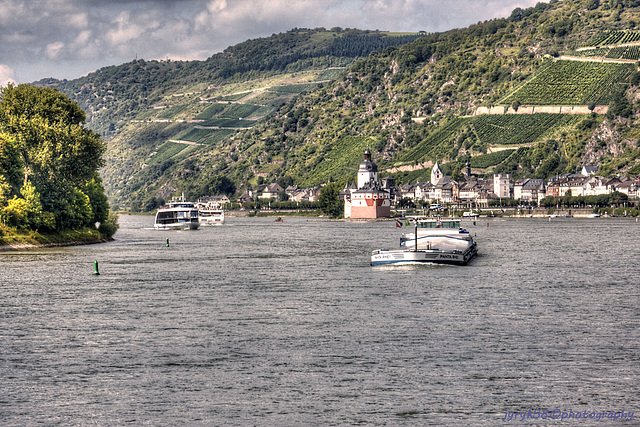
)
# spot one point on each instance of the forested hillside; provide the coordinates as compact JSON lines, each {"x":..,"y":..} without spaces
{"x":560,"y":80}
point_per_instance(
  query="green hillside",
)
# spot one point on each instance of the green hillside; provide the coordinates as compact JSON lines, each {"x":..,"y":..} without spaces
{"x":305,"y":103}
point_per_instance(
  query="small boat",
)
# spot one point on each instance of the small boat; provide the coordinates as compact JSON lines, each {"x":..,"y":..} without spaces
{"x":593,"y":215}
{"x":210,"y":213}
{"x":470,"y":214}
{"x":434,"y":240}
{"x":177,"y":215}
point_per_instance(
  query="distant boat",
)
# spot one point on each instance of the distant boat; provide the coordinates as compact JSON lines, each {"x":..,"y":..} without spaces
{"x":210,"y":213}
{"x":433,"y":240}
{"x":470,"y":214}
{"x":593,"y":215}
{"x":177,"y":215}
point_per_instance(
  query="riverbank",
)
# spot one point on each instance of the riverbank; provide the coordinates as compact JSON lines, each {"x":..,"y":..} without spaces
{"x":11,"y":240}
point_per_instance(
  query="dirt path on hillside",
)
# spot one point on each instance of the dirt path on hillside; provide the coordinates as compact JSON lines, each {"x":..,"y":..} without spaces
{"x":597,"y":59}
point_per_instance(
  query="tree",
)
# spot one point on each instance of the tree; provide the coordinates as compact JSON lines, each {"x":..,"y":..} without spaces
{"x":49,"y":130}
{"x":50,"y":157}
{"x":10,"y":167}
{"x":593,"y":4}
{"x":329,"y":200}
{"x":283,"y":196}
{"x":26,"y":212}
{"x":285,"y":181}
{"x":97,"y":199}
{"x":220,"y":184}
{"x":620,"y":105}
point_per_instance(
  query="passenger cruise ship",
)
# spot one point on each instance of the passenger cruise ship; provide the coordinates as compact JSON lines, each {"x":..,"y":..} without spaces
{"x":177,"y":215}
{"x":210,"y":213}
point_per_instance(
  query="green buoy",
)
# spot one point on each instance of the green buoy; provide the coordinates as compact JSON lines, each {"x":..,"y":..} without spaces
{"x":167,"y":242}
{"x":95,"y":266}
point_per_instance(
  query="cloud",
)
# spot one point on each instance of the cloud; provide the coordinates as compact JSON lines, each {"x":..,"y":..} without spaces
{"x":6,"y":75}
{"x":44,"y":38}
{"x":53,"y":49}
{"x":124,"y":30}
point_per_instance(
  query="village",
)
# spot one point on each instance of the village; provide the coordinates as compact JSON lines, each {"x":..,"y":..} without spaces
{"x":369,"y":197}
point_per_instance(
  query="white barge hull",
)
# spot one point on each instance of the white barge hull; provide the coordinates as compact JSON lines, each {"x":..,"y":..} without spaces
{"x":422,"y":256}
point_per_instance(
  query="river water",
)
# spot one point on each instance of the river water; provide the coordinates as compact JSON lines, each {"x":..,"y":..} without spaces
{"x":259,"y":322}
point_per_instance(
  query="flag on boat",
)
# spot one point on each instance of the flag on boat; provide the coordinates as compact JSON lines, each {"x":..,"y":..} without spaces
{"x":398,"y":224}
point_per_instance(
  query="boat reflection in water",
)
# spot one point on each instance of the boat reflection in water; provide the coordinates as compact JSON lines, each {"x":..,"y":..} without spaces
{"x":177,"y":215}
{"x":433,"y":240}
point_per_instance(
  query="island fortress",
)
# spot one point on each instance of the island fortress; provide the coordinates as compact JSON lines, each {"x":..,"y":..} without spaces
{"x":369,"y":198}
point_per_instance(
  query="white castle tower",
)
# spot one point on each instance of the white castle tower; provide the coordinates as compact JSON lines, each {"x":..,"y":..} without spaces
{"x":368,"y":171}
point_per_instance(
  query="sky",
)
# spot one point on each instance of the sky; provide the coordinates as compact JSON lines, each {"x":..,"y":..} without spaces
{"x":67,"y":39}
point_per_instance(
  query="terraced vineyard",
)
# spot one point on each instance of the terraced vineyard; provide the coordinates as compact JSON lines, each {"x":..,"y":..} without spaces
{"x":165,"y":152}
{"x":211,"y":111}
{"x":215,"y":136}
{"x":295,"y":88}
{"x":203,"y":135}
{"x":491,"y":159}
{"x":608,"y":38}
{"x":228,"y":123}
{"x":235,"y":111}
{"x":512,"y":129}
{"x":344,"y":155}
{"x":624,"y":52}
{"x":447,"y":133}
{"x":517,"y":133}
{"x":168,"y":113}
{"x":572,"y":83}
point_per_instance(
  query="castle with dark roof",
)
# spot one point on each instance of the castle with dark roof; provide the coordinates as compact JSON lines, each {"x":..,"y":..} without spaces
{"x":368,"y":198}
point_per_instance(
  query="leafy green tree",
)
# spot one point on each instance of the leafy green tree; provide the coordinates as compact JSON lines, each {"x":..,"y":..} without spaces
{"x":26,"y":212}
{"x":97,"y":199}
{"x":619,"y":106}
{"x":10,"y":167}
{"x":16,"y":213}
{"x":283,"y":196}
{"x":329,"y":200}
{"x":285,"y":181}
{"x":47,"y":152}
{"x":220,"y":184}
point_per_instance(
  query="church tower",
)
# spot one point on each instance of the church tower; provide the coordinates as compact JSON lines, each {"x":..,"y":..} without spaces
{"x":436,"y":174}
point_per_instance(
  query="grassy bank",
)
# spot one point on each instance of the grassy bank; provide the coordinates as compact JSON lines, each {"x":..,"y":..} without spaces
{"x":12,"y":239}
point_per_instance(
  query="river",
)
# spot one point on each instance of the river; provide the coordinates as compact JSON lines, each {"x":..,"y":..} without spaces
{"x":260,"y":322}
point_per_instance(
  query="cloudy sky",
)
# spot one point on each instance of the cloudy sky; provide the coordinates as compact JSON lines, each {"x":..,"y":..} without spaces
{"x":70,"y":38}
